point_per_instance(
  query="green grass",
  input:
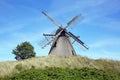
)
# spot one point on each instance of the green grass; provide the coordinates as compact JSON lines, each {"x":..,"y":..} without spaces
{"x":9,"y":68}
{"x":54,"y":73}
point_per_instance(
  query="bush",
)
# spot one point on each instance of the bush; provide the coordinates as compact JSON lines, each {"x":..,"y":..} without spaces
{"x":19,"y":67}
{"x":54,"y":73}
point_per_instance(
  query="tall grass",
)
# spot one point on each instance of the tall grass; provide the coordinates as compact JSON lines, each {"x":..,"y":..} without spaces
{"x":11,"y":67}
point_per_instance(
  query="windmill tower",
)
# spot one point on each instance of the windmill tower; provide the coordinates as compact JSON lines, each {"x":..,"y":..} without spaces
{"x":61,"y":44}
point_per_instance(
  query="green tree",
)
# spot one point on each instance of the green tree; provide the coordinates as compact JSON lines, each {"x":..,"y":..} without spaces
{"x":24,"y":51}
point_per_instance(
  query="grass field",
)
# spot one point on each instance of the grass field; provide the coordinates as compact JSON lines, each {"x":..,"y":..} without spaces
{"x":9,"y":68}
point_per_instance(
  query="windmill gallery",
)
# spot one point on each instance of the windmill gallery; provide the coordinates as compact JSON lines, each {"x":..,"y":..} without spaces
{"x":60,"y":42}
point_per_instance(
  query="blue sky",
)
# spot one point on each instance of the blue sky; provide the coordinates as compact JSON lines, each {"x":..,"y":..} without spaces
{"x":21,"y":20}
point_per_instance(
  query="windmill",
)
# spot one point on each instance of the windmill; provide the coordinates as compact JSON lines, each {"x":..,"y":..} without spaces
{"x":61,"y":44}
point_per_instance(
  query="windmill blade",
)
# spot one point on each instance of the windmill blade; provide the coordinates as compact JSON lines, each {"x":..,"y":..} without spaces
{"x":42,"y":42}
{"x":48,"y":39}
{"x":49,"y":42}
{"x":48,"y":35}
{"x":56,"y":23}
{"x":45,"y":41}
{"x":76,"y":39}
{"x":74,"y":19}
{"x":78,"y":46}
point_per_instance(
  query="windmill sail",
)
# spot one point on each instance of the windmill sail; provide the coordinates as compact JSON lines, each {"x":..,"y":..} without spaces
{"x":56,"y":23}
{"x":78,"y":40}
{"x":61,"y":44}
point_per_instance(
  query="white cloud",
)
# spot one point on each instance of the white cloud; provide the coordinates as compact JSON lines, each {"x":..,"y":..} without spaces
{"x":112,"y":25}
{"x":10,"y":28}
{"x":106,"y":42}
{"x":107,"y":54}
